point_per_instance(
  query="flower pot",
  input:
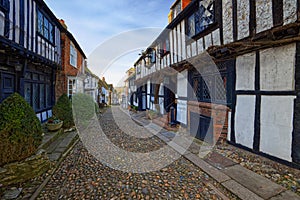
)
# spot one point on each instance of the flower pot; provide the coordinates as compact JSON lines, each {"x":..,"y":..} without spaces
{"x":54,"y":126}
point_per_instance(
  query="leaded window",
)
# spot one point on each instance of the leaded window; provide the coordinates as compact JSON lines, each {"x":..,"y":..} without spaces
{"x":37,"y":91}
{"x":201,"y":19}
{"x":44,"y":27}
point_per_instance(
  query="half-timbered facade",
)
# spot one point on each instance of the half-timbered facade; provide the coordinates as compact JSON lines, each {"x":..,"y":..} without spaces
{"x":255,"y":49}
{"x":29,"y":53}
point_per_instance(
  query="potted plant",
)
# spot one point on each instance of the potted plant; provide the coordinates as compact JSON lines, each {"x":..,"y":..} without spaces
{"x":54,"y":124}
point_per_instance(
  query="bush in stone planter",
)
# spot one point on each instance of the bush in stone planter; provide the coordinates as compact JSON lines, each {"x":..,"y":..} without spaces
{"x":63,"y":111}
{"x":20,"y":130}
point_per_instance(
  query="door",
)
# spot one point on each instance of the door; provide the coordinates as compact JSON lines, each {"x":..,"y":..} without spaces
{"x":7,"y":85}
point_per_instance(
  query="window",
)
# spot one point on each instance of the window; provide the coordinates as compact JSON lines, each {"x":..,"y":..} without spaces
{"x":73,"y":56}
{"x":165,"y":47}
{"x":4,"y":5}
{"x":45,"y":28}
{"x":37,"y":91}
{"x":71,"y":87}
{"x":201,"y":18}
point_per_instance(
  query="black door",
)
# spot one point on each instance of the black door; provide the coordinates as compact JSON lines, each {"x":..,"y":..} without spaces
{"x":7,"y":85}
{"x":201,"y":127}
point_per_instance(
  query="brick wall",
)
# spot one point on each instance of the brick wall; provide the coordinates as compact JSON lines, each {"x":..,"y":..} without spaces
{"x":67,"y":68}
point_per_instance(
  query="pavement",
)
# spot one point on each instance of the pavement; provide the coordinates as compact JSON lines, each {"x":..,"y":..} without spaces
{"x":237,"y":179}
{"x":200,"y":174}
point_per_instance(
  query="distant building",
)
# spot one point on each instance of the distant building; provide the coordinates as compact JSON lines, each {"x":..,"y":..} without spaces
{"x":91,"y":84}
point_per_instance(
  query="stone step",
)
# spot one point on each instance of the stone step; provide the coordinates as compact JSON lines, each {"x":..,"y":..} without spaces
{"x":60,"y":145}
{"x":50,"y":137}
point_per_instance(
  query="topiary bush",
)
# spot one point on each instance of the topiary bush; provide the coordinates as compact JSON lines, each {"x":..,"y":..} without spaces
{"x":20,"y":130}
{"x":63,"y":111}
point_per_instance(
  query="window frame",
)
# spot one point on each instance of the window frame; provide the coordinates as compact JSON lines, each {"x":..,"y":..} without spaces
{"x":42,"y":29}
{"x":205,"y":29}
{"x":73,"y":55}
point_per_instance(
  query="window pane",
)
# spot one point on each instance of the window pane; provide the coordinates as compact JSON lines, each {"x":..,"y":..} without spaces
{"x":48,"y":95}
{"x":40,"y":23}
{"x":35,"y":97}
{"x":27,"y":92}
{"x":51,"y":32}
{"x":42,"y":96}
{"x":191,"y":26}
{"x":46,"y":28}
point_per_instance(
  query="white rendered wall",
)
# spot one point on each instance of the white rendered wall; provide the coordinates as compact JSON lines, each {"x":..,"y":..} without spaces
{"x":277,"y":69}
{"x":264,"y":16}
{"x":289,"y":11}
{"x":182,"y":84}
{"x":277,"y":126}
{"x":182,"y":111}
{"x":227,"y":21}
{"x":244,"y":120}
{"x":245,"y":72}
{"x":243,"y":15}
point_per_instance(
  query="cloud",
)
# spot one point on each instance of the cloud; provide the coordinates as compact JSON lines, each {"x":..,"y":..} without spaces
{"x":92,"y":22}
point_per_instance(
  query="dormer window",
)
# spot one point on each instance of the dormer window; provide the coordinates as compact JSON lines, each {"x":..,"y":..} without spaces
{"x":201,"y":19}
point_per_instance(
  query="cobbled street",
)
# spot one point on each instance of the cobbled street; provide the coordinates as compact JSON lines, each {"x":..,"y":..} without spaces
{"x":82,"y":176}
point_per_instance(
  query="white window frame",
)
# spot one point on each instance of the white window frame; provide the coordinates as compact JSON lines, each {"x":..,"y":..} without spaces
{"x":73,"y":56}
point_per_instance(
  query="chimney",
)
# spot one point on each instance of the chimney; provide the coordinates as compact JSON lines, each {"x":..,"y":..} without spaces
{"x":62,"y":22}
{"x":185,"y":3}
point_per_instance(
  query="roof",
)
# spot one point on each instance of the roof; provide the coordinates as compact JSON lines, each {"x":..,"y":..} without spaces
{"x":72,"y":38}
{"x":103,"y":83}
{"x":88,"y":71}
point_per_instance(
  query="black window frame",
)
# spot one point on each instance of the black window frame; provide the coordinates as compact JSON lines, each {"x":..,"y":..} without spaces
{"x":50,"y":29}
{"x":205,"y":29}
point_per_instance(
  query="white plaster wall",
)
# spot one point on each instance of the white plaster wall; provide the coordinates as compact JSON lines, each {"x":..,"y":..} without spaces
{"x":172,"y":46}
{"x":244,"y":120}
{"x":194,"y":49}
{"x":243,"y":12}
{"x":182,"y":111}
{"x":188,"y":51}
{"x":264,"y":16}
{"x":182,"y":84}
{"x":245,"y":72}
{"x":2,"y":23}
{"x":11,"y":20}
{"x":277,"y":68}
{"x":216,"y":37}
{"x":277,"y":126}
{"x":183,"y":40}
{"x":200,"y":45}
{"x":289,"y":11}
{"x":208,"y":41}
{"x":17,"y":26}
{"x":229,"y":127}
{"x":227,"y":21}
{"x":179,"y":43}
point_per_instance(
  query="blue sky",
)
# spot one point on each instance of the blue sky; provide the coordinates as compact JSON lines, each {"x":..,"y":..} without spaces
{"x":93,"y":22}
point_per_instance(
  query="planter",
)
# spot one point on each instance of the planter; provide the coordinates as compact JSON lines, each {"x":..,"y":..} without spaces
{"x":54,"y":127}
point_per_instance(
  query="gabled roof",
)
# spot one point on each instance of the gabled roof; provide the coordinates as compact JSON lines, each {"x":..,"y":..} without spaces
{"x":72,"y":38}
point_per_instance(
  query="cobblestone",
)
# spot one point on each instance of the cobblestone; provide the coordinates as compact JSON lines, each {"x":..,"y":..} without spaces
{"x":81,"y":176}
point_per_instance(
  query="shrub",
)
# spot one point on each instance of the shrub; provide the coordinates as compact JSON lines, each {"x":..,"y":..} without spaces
{"x":63,"y":111}
{"x":20,"y":130}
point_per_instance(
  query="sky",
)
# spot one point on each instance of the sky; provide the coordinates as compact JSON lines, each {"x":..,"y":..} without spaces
{"x":112,"y":32}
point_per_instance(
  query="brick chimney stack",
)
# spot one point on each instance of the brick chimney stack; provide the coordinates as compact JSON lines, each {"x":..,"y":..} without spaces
{"x":62,"y":22}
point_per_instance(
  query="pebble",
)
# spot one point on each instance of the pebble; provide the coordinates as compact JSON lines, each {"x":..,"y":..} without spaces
{"x":113,"y":184}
